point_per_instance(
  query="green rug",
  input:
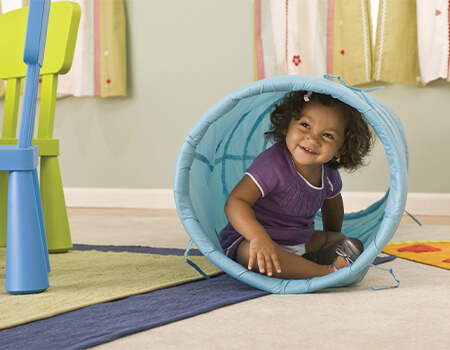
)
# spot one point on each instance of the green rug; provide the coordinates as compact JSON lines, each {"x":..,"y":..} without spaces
{"x":82,"y":278}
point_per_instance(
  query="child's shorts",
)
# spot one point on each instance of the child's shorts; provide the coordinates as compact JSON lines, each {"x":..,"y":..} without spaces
{"x":298,"y":249}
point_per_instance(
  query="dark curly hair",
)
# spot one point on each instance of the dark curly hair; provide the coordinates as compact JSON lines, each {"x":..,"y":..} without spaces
{"x":358,"y":138}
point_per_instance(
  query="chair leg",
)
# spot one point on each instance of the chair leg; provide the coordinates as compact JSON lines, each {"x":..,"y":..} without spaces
{"x":26,"y":266}
{"x":54,"y":206}
{"x":3,"y":206}
{"x":37,"y":195}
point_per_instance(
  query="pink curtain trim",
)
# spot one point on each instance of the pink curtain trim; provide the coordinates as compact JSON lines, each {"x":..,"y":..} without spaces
{"x":448,"y":58}
{"x":97,"y":48}
{"x":258,"y":42}
{"x":286,"y":44}
{"x":330,"y":36}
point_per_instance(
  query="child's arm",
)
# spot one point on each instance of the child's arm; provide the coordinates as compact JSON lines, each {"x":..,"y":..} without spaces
{"x":238,"y":209}
{"x":333,"y":214}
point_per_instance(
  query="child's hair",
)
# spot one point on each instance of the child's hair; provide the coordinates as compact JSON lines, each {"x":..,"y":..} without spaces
{"x":358,"y":138}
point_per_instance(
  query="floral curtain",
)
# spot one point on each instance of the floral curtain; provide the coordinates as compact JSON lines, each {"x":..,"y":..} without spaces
{"x":315,"y":37}
{"x":100,"y":61}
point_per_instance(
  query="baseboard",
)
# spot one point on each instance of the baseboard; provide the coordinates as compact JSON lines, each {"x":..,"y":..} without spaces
{"x":417,"y":203}
{"x":429,"y":204}
{"x":120,"y":198}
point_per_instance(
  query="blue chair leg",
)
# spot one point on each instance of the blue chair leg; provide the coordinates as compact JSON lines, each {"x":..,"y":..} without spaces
{"x":26,"y":264}
{"x":3,"y":206}
{"x":37,"y":194}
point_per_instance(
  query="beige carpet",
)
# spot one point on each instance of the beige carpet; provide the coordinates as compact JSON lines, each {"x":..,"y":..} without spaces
{"x":411,"y":317}
{"x":83,"y":278}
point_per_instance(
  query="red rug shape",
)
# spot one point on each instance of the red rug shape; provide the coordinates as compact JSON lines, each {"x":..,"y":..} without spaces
{"x":419,"y":248}
{"x":446,"y":260}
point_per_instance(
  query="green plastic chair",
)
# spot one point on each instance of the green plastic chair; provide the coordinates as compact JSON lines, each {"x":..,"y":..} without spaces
{"x":60,"y":46}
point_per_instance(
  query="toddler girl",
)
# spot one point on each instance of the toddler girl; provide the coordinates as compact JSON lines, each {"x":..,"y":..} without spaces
{"x":271,"y":210}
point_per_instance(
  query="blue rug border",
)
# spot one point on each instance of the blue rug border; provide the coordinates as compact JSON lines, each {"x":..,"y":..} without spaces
{"x":135,"y":249}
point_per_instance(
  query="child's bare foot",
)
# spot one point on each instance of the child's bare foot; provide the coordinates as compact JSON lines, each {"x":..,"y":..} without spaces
{"x":340,"y":263}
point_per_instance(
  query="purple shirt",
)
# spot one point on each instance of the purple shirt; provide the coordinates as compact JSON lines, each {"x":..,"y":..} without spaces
{"x":288,"y":204}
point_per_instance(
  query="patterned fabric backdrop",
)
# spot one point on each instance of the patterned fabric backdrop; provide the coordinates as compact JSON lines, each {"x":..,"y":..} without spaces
{"x":100,"y":61}
{"x":433,"y":28}
{"x":315,"y":37}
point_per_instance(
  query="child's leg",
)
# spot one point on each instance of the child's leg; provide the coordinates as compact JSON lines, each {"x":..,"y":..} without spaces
{"x":292,"y":266}
{"x":321,"y":248}
{"x":322,"y":239}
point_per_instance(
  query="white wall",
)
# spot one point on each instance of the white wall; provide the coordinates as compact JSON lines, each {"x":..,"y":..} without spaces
{"x":184,"y":55}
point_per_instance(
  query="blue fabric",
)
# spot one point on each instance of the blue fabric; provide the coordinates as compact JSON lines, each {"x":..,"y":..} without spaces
{"x":229,"y":136}
{"x":135,"y":249}
{"x":101,"y":323}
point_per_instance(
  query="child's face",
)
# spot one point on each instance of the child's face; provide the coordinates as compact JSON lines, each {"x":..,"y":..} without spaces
{"x":316,"y":137}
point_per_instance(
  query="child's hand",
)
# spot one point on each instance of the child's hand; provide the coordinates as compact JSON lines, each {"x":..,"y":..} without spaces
{"x":262,"y":250}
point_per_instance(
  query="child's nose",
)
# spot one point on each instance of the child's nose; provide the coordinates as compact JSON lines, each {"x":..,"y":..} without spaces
{"x":314,"y":138}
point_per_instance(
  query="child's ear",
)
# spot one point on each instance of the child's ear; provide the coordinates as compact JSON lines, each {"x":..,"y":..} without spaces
{"x":340,"y":152}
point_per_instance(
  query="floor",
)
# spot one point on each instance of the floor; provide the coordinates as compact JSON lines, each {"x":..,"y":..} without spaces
{"x":413,"y":316}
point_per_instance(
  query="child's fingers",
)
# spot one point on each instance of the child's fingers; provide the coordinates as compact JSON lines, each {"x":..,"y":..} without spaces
{"x":269,"y":265}
{"x":251,"y":260}
{"x":261,"y":263}
{"x":266,"y":262}
{"x":276,"y":262}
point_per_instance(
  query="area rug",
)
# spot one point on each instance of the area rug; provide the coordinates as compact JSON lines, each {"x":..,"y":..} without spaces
{"x":82,"y":278}
{"x":434,"y":253}
{"x":104,"y":322}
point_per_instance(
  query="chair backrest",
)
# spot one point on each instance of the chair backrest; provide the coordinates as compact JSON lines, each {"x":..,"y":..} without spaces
{"x":60,"y":46}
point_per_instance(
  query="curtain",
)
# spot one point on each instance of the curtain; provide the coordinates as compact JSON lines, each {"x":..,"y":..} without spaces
{"x":396,"y":50}
{"x":100,"y":61}
{"x":293,"y":37}
{"x":314,"y":37}
{"x":350,"y":40}
{"x":433,"y":28}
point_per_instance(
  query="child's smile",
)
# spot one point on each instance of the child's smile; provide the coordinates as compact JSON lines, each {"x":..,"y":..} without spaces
{"x":307,"y":150}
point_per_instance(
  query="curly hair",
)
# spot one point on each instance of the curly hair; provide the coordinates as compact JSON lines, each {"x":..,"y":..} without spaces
{"x":358,"y":137}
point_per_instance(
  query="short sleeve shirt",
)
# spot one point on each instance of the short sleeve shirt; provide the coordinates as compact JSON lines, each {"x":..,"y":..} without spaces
{"x":289,"y":203}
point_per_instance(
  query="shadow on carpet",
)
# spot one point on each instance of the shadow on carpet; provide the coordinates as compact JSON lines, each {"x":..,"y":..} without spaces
{"x":105,"y":322}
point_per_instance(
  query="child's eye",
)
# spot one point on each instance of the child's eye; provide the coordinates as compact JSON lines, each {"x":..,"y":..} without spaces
{"x":305,"y":125}
{"x":329,"y":136}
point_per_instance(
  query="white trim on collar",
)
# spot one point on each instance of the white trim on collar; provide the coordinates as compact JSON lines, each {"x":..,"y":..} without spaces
{"x":307,"y":182}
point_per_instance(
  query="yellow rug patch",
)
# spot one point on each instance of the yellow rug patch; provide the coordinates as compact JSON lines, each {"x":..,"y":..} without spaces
{"x":431,"y":253}
{"x":82,"y":278}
